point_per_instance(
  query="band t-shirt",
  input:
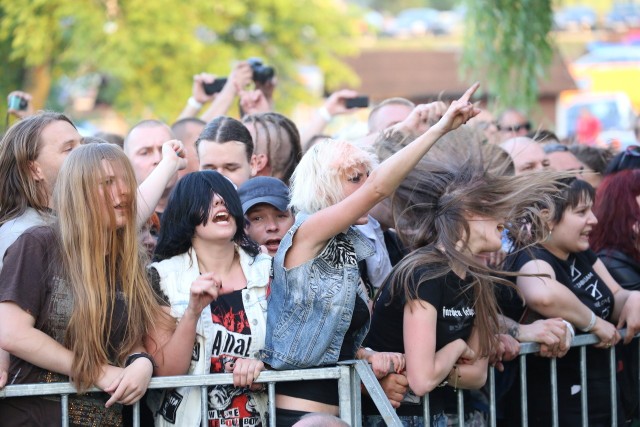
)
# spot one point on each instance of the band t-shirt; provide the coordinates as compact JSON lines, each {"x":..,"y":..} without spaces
{"x":455,"y":319}
{"x":577,"y":274}
{"x":30,"y":278}
{"x":229,"y":405}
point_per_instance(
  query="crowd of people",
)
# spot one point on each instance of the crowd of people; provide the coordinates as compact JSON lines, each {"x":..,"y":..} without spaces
{"x":430,"y":248}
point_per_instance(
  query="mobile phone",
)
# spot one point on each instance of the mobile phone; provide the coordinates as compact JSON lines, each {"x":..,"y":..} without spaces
{"x":357,"y":102}
{"x":216,"y":86}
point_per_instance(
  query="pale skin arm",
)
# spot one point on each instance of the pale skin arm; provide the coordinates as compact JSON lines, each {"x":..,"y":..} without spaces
{"x":426,"y":367}
{"x":551,"y":299}
{"x":314,"y":233}
{"x":626,"y":310}
{"x":198,"y":94}
{"x":552,"y":334}
{"x":172,"y":349}
{"x":151,"y":189}
{"x":4,"y":368}
{"x":335,"y":104}
{"x":19,"y":337}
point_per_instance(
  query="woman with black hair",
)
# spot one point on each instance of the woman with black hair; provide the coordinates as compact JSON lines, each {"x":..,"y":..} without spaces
{"x":562,"y":277}
{"x":215,"y":279}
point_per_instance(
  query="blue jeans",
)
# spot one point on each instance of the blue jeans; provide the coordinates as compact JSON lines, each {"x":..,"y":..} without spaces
{"x":438,"y":420}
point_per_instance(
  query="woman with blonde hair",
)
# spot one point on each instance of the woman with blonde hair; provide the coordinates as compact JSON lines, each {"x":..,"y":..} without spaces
{"x":318,"y":313}
{"x":75,"y":302}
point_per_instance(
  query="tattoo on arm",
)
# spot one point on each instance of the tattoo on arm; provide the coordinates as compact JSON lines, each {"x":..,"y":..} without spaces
{"x":509,"y":326}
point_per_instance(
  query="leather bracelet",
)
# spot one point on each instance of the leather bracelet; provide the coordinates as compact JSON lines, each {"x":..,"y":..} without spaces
{"x":133,"y":357}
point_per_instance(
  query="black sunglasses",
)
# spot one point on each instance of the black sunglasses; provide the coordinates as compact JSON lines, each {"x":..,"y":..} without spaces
{"x":517,"y":128}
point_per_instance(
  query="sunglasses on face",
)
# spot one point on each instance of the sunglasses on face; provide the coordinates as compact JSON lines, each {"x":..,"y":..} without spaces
{"x":517,"y":128}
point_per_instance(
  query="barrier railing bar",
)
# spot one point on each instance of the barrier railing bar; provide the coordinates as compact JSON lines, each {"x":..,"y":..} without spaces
{"x":584,"y":403}
{"x":492,"y":396}
{"x":344,"y":395}
{"x":204,"y":407}
{"x":524,"y":409}
{"x":64,"y":402}
{"x":272,"y":404}
{"x":136,"y":414}
{"x":612,"y":382}
{"x":349,"y":389}
{"x":554,"y":393}
{"x":377,"y":394}
{"x":460,"y":407}
{"x":426,"y":412}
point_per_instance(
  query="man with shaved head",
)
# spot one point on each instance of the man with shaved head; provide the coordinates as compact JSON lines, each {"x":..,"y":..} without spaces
{"x":527,"y":154}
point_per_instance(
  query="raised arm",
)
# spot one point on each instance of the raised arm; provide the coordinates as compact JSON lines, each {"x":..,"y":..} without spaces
{"x":239,"y":78}
{"x":323,"y":225}
{"x":172,"y":350}
{"x":151,"y":189}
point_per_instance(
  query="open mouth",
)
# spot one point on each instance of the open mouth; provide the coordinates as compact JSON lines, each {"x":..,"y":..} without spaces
{"x":221,"y":217}
{"x":272,"y":244}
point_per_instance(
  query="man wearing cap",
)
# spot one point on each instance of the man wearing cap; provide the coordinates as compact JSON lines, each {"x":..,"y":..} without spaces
{"x":265,"y":202}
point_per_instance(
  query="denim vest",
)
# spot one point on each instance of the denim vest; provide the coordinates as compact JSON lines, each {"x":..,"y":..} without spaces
{"x":311,"y":305}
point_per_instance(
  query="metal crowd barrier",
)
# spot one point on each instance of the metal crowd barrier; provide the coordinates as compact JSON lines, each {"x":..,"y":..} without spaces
{"x":350,"y":375}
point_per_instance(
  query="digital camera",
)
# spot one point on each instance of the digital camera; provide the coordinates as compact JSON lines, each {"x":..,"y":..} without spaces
{"x":261,"y":73}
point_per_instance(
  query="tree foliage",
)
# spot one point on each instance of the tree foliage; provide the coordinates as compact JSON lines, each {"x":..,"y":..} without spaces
{"x":151,"y":50}
{"x":507,"y":46}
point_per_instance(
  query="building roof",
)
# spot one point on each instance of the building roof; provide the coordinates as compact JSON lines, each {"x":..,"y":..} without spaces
{"x":418,"y":75}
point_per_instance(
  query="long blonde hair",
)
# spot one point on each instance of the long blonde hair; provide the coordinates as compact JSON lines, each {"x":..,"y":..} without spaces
{"x":96,"y":255}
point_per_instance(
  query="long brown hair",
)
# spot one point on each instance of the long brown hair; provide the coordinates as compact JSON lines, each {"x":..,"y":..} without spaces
{"x":19,"y":147}
{"x":95,"y":256}
{"x":456,"y":178}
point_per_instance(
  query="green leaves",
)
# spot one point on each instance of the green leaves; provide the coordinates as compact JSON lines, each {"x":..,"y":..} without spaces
{"x":507,"y":47}
{"x":153,"y":48}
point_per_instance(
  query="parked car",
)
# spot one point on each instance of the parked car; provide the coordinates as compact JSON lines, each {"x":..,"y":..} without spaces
{"x":415,"y":22}
{"x":623,"y":16}
{"x":573,"y":18}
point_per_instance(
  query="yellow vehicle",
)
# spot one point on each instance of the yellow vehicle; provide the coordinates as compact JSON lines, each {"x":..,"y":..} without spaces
{"x":610,"y":68}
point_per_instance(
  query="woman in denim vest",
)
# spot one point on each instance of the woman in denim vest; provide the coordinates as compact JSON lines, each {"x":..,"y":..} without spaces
{"x":318,"y":312}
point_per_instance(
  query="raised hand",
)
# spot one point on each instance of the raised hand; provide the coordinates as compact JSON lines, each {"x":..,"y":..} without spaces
{"x":205,"y":289}
{"x":173,"y":150}
{"x":459,"y":111}
{"x":335,"y":103}
{"x":254,"y":102}
{"x":421,"y":118}
{"x":197,"y":90}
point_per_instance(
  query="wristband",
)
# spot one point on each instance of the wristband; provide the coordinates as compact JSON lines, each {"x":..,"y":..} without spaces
{"x":570,"y":328}
{"x":191,"y":102}
{"x":325,"y":114}
{"x":133,"y":357}
{"x":592,"y":323}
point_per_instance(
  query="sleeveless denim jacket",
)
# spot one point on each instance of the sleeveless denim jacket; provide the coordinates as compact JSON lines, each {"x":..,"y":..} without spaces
{"x":311,"y":305}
